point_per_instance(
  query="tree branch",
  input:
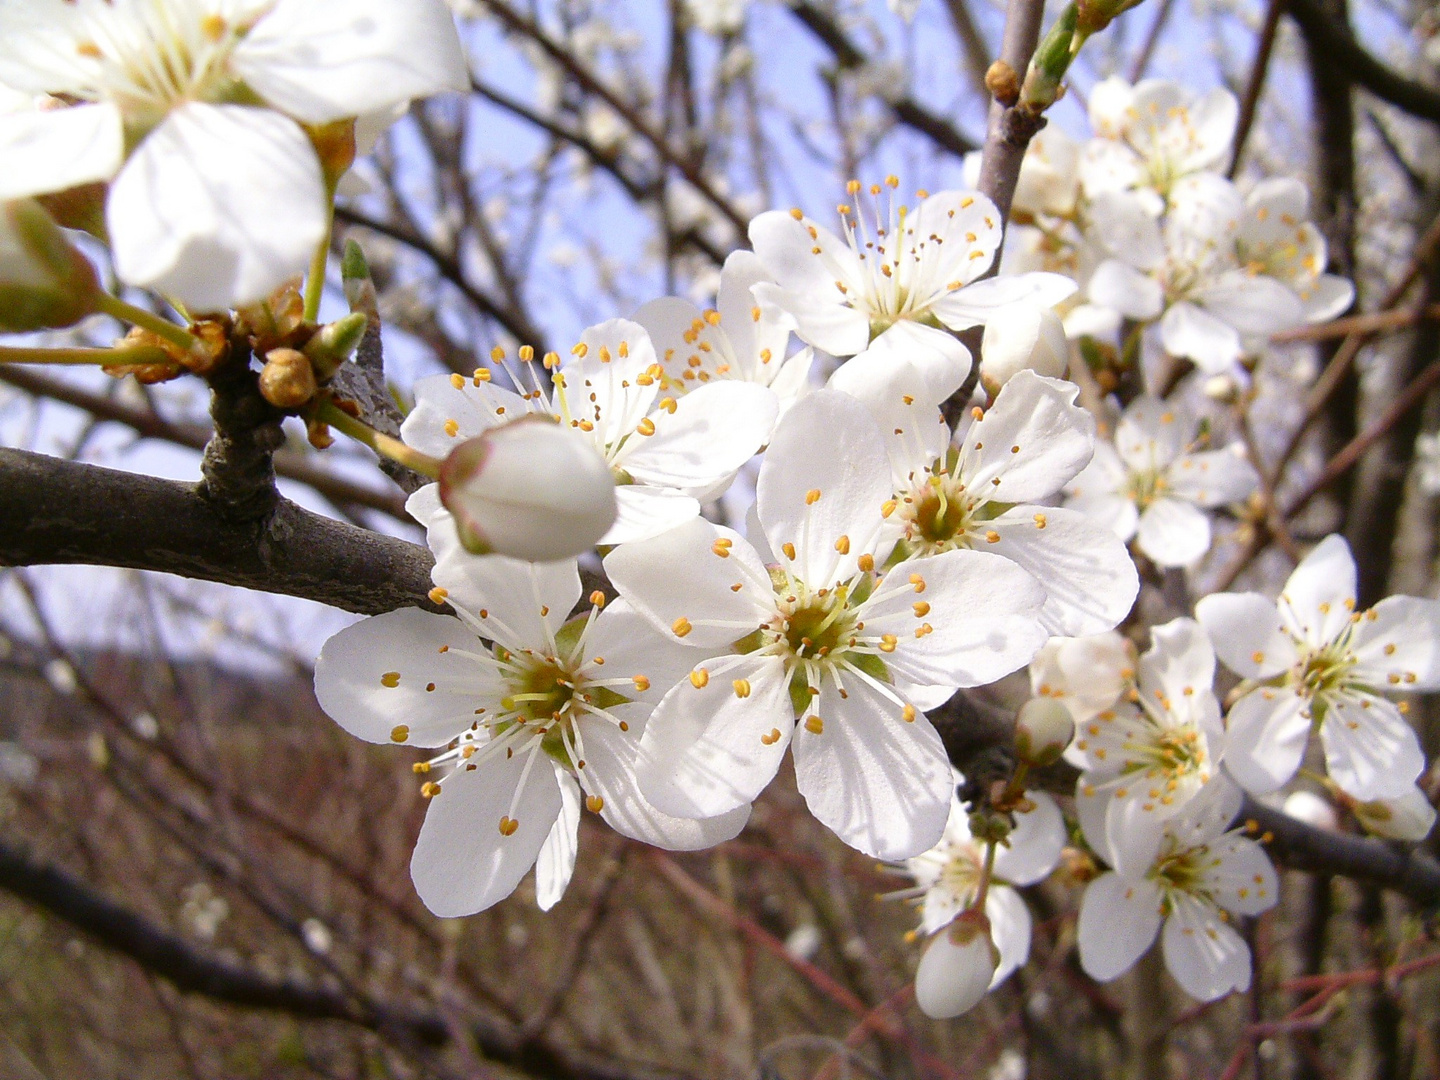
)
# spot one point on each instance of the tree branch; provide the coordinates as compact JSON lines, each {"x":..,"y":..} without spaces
{"x":905,"y":109}
{"x":163,"y":954}
{"x":1404,"y":868}
{"x":1337,"y":44}
{"x":150,"y":425}
{"x":66,"y":512}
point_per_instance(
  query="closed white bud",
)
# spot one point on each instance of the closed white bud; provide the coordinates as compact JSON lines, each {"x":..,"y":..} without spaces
{"x":1019,"y":336}
{"x":45,"y":283}
{"x":1406,"y":817}
{"x":957,"y":968}
{"x":1043,"y":729}
{"x":530,"y":489}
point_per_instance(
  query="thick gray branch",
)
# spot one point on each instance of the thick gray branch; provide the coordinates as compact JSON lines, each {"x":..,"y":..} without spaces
{"x":56,"y":511}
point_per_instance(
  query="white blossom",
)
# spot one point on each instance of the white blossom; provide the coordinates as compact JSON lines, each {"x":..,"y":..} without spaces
{"x":825,"y":653}
{"x":989,"y":492}
{"x":1313,"y":662}
{"x":666,"y":453}
{"x":897,"y":282}
{"x":1194,"y":879}
{"x":947,"y":879}
{"x":739,"y":338}
{"x":1152,"y":753}
{"x":552,"y":709}
{"x":192,"y":109}
{"x":1277,"y":238}
{"x":1152,"y":135}
{"x":531,"y":489}
{"x":1151,"y":486}
{"x":1187,"y":273}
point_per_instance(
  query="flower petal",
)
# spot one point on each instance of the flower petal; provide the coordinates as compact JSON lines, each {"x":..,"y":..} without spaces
{"x":611,"y":755}
{"x":1319,"y":596}
{"x":1243,"y":879}
{"x":322,"y":60}
{"x":1213,"y":478}
{"x":518,"y":604}
{"x":1206,"y":957}
{"x":1268,"y":730}
{"x":372,"y":677}
{"x":1118,"y":921}
{"x":1089,"y":578}
{"x":979,"y":619}
{"x":218,"y":206}
{"x":711,"y":432}
{"x":1035,"y":844}
{"x":467,"y":409}
{"x":882,"y":784}
{"x":54,"y":149}
{"x":1371,"y":751}
{"x":707,"y":751}
{"x":462,"y":862}
{"x":1190,"y":331}
{"x":1131,"y":292}
{"x":1010,"y":929}
{"x":1397,"y":643}
{"x":1173,"y":533}
{"x":646,"y":572}
{"x":1247,"y":634}
{"x":1030,"y":443}
{"x":556,"y":862}
{"x":645,"y":512}
{"x":811,"y":497}
{"x":976,"y":304}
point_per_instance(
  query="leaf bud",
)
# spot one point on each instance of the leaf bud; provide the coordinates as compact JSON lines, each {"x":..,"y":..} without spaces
{"x":1043,"y":729}
{"x":287,"y":380}
{"x":333,"y":343}
{"x":531,"y":489}
{"x":45,"y":283}
{"x":957,"y":968}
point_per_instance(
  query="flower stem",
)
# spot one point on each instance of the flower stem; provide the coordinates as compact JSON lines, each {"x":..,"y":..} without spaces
{"x":986,"y":872}
{"x":315,"y":282}
{"x":143,"y":354}
{"x":381,"y":443}
{"x":148,"y":320}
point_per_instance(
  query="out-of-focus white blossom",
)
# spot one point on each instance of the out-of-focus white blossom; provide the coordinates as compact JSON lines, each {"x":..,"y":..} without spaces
{"x":1151,"y":486}
{"x":1195,"y":878}
{"x":1314,"y":662}
{"x":192,"y":111}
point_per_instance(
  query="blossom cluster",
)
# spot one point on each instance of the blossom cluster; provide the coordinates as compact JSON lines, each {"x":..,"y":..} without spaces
{"x":915,"y":520}
{"x":897,"y":549}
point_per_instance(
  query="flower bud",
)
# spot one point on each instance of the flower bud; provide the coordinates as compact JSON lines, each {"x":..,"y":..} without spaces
{"x":1405,"y":817}
{"x":1018,"y":336}
{"x":45,"y":283}
{"x":1043,"y":729}
{"x":287,"y":380}
{"x":957,"y":968}
{"x":531,"y":489}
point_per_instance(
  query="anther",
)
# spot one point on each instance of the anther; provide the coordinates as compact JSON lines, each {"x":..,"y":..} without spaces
{"x":390,"y":679}
{"x":700,"y":678}
{"x":399,"y":733}
{"x":429,"y":789}
{"x":508,"y":825}
{"x":742,"y":688}
{"x":681,"y":626}
{"x":814,"y":724}
{"x":866,"y":562}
